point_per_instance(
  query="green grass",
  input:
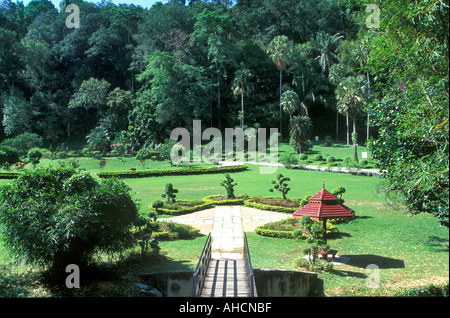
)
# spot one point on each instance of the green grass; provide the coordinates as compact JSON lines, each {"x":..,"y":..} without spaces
{"x":410,"y":251}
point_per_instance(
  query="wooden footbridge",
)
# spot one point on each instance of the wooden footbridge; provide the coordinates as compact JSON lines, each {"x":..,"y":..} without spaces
{"x":229,"y":275}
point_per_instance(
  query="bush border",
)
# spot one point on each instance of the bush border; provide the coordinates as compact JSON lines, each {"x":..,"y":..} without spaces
{"x":267,"y":207}
{"x":236,"y":201}
{"x":172,"y":172}
{"x":182,"y":211}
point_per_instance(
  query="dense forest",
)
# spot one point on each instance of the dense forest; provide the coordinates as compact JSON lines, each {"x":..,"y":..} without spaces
{"x":128,"y":76}
{"x":136,"y":74}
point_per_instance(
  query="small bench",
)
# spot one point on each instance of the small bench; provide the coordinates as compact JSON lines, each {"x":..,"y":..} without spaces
{"x":324,"y":254}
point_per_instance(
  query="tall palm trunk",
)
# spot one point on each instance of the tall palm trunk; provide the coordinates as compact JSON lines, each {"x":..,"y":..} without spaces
{"x":281,"y":112}
{"x":337,"y":125}
{"x":242,"y":110}
{"x":348,"y":133}
{"x":218,"y":103}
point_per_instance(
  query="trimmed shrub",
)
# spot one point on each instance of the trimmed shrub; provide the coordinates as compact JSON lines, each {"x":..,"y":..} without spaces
{"x":331,"y":159}
{"x":172,"y":172}
{"x":318,"y":158}
{"x":289,"y":160}
{"x":303,"y":157}
{"x":219,"y":199}
{"x":182,"y":207}
{"x":270,"y":207}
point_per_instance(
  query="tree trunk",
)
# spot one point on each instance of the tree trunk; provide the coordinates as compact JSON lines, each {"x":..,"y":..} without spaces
{"x":337,"y":125}
{"x":218,"y":105}
{"x":281,"y":113}
{"x":242,"y":110}
{"x":368,"y":119}
{"x":348,"y":133}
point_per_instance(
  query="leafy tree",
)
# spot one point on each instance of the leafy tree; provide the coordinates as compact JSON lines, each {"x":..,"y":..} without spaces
{"x":24,"y":142}
{"x":143,"y":155}
{"x":215,"y":32}
{"x":300,"y":131}
{"x":281,"y":184}
{"x":17,"y":114}
{"x":57,"y":216}
{"x":92,"y":94}
{"x":229,"y":185}
{"x":409,"y":59}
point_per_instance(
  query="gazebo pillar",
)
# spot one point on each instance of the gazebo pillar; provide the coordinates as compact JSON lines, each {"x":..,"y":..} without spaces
{"x":324,"y":230}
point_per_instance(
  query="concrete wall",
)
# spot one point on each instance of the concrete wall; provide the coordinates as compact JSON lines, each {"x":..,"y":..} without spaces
{"x":284,"y":283}
{"x":171,"y":284}
{"x":269,"y":283}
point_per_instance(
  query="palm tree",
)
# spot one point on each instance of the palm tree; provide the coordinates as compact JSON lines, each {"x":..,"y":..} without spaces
{"x":352,"y":95}
{"x":290,"y":103}
{"x":327,"y":45}
{"x":300,"y":131}
{"x":309,"y":89}
{"x":241,"y":87}
{"x":279,"y":50}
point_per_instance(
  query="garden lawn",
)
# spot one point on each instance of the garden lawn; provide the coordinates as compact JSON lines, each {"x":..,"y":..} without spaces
{"x":410,"y":251}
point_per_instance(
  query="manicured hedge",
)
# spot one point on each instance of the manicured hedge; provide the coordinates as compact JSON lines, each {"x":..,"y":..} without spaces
{"x":9,"y":175}
{"x":172,"y":172}
{"x":239,"y":200}
{"x":270,"y":230}
{"x":267,"y":207}
{"x":182,"y":210}
{"x":273,"y":233}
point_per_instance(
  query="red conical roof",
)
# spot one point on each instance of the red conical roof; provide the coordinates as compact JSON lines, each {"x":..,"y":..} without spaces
{"x":324,"y":205}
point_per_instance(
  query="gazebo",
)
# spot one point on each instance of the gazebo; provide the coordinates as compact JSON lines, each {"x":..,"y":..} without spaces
{"x":324,"y":206}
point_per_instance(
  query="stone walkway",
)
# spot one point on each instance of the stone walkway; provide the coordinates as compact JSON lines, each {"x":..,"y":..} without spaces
{"x":227,"y":225}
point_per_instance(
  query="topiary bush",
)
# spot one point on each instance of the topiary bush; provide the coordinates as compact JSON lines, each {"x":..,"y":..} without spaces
{"x":34,"y":156}
{"x":169,"y":193}
{"x":318,"y":158}
{"x":281,"y":184}
{"x":229,"y":185}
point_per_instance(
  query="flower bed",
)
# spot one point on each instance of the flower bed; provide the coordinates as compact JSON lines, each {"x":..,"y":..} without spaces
{"x":223,"y":200}
{"x":277,"y":204}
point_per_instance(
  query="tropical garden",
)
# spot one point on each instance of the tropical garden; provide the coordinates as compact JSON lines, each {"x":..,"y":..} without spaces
{"x":87,"y":175}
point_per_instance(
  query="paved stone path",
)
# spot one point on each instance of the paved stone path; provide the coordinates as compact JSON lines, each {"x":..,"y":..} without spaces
{"x":227,"y":225}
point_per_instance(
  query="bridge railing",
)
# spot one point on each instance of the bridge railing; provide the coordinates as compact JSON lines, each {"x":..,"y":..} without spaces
{"x":201,"y":269}
{"x":249,"y":268}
